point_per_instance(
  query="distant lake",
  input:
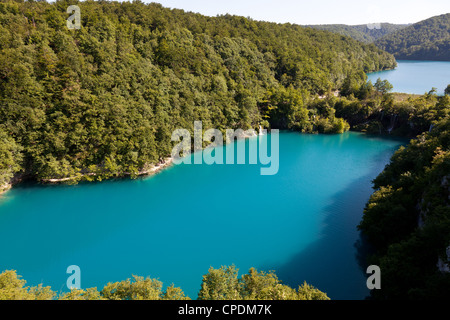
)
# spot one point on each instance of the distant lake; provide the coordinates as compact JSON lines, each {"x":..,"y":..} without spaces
{"x":416,"y":77}
{"x":301,"y":223}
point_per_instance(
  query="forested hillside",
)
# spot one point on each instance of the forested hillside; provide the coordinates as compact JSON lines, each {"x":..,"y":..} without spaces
{"x":408,"y":219}
{"x":425,"y":40}
{"x":363,"y":32}
{"x":103,"y":100}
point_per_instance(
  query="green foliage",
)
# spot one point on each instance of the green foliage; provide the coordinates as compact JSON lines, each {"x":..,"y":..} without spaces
{"x":447,"y":90}
{"x":408,"y":218}
{"x":13,"y":288}
{"x":373,"y":109}
{"x":102,"y":101}
{"x":81,"y":294}
{"x":221,"y":284}
{"x":287,"y":108}
{"x":139,"y":288}
{"x":10,"y":158}
{"x":218,"y":284}
{"x":383,"y":86}
{"x":224,"y":284}
{"x":425,"y":40}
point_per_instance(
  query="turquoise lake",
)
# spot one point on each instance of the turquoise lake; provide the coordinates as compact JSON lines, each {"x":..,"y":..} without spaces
{"x":416,"y":77}
{"x":173,"y":226}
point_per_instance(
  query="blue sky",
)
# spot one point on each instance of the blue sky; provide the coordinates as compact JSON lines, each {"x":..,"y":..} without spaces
{"x":318,"y":11}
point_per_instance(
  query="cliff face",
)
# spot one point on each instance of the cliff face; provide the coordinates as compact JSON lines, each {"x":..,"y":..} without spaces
{"x":16,"y":179}
{"x":445,"y":183}
{"x":444,"y":266}
{"x":5,"y":187}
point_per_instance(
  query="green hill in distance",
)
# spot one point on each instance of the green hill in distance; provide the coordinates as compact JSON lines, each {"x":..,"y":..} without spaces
{"x":426,"y":40}
{"x":363,"y":32}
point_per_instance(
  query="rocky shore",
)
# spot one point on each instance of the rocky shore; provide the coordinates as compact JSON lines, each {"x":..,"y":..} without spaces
{"x":148,"y":171}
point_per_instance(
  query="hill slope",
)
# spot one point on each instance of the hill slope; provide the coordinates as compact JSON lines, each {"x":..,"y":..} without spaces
{"x":407,"y":219}
{"x":102,"y":101}
{"x":425,"y":40}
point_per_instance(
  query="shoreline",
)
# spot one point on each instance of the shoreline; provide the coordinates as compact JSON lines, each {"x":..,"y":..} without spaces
{"x":4,"y":188}
{"x":167,"y":162}
{"x":148,"y":172}
{"x":154,"y":169}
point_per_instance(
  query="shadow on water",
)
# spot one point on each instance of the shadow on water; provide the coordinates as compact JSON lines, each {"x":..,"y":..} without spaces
{"x":332,"y":264}
{"x":336,"y":263}
{"x":401,"y":139}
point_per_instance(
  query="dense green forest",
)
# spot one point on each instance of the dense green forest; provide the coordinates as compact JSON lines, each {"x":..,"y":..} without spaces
{"x":425,"y":40}
{"x":366,"y":33}
{"x":217,"y":284}
{"x":103,"y":100}
{"x":407,"y":219}
{"x":371,"y":108}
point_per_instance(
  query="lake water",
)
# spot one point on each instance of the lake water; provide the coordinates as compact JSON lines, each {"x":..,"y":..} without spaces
{"x":416,"y":77}
{"x":175,"y":225}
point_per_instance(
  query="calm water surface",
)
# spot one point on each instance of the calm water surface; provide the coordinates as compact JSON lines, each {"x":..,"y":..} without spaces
{"x":175,"y":225}
{"x":416,"y":77}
